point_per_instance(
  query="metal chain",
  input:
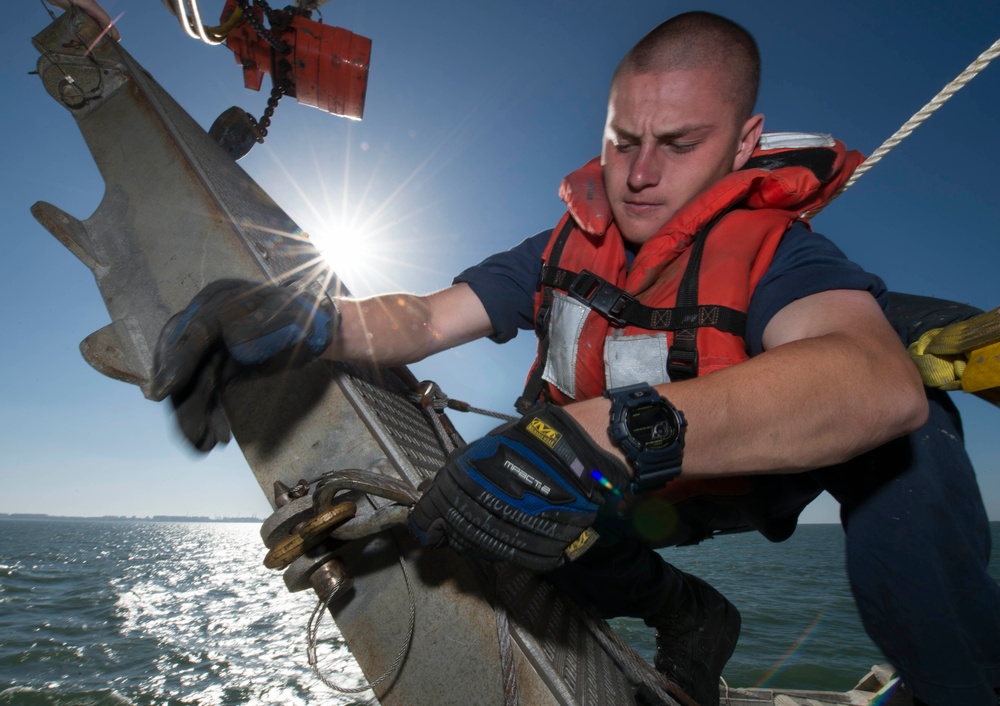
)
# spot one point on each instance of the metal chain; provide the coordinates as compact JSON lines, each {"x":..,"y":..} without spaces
{"x":273,"y":16}
{"x":259,"y":127}
{"x":258,"y":26}
{"x":279,"y":20}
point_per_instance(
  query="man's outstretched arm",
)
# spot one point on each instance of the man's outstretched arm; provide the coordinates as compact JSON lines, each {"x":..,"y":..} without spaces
{"x":234,"y":328}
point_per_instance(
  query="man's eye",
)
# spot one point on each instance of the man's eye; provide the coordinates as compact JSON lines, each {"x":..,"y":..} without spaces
{"x":623,"y":146}
{"x":682,"y":147}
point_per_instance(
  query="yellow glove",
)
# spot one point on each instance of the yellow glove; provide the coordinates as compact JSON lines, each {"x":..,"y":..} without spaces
{"x":962,"y":356}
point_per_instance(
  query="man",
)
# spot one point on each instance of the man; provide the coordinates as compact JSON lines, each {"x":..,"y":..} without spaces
{"x":766,"y":375}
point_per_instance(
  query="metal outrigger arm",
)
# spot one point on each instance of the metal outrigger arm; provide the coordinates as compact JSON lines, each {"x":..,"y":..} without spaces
{"x":178,"y":213}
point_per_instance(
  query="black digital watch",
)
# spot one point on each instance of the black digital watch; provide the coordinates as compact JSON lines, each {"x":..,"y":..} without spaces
{"x":650,"y":432}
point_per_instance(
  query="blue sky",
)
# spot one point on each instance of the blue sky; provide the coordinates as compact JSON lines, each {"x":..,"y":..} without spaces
{"x":475,"y":111}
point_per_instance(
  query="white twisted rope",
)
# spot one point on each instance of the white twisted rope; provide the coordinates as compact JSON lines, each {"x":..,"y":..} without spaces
{"x":981,"y":62}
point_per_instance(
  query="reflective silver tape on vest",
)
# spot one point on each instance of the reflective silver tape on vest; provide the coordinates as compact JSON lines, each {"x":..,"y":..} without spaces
{"x":565,"y":325}
{"x":629,"y":360}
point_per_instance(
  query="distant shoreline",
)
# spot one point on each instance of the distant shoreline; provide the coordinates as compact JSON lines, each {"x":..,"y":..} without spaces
{"x":190,"y":518}
{"x":125,"y":518}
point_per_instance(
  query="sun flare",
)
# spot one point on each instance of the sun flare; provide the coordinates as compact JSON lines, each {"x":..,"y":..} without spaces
{"x":349,"y":249}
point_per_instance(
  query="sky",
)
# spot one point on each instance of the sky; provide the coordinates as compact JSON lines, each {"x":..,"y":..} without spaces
{"x":475,"y":111}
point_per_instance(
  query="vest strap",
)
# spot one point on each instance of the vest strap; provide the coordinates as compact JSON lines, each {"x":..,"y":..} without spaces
{"x":682,"y":360}
{"x":622,"y":309}
{"x":535,"y":385}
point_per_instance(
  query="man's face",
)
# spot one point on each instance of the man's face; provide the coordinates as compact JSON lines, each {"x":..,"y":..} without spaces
{"x":668,"y":137}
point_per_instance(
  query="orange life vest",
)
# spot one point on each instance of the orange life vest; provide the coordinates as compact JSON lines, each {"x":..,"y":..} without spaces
{"x":680,"y":309}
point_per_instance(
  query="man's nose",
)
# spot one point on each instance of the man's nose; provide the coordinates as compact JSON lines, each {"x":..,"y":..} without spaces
{"x":645,"y":170}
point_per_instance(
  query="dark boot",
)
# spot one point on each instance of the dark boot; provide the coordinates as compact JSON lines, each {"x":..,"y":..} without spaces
{"x":695,"y":637}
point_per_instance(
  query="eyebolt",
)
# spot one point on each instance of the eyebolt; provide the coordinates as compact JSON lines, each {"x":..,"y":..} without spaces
{"x":308,"y":534}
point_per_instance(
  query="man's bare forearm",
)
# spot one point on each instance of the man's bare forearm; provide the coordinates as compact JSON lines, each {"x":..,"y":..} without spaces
{"x":807,"y":403}
{"x":396,"y":329}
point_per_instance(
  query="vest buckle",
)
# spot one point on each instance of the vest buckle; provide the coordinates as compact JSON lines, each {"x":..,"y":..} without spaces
{"x":600,"y":295}
{"x":682,"y":364}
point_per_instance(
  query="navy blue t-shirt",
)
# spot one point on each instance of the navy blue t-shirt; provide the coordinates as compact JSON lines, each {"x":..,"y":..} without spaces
{"x":804,"y":263}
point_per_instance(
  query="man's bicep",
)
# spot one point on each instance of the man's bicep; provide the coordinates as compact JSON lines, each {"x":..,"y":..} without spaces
{"x":805,"y":264}
{"x":833,"y":311}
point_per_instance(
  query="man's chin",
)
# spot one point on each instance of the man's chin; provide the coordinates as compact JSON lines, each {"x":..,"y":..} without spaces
{"x":637,"y":233}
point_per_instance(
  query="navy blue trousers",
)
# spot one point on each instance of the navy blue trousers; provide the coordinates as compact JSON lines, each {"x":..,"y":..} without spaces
{"x":917,"y":550}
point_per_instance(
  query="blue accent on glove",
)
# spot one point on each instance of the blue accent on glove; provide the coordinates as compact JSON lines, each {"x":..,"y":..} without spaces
{"x":232,"y":328}
{"x":520,"y":494}
{"x":530,"y":503}
{"x":310,"y":328}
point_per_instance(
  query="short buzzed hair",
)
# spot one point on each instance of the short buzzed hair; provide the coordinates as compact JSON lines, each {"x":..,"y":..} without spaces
{"x":695,"y":40}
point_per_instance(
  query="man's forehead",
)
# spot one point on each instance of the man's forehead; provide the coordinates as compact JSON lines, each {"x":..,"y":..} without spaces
{"x":682,"y":100}
{"x":704,"y":77}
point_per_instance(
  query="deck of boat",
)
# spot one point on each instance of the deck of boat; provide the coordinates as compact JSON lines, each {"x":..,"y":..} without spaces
{"x":880,"y":686}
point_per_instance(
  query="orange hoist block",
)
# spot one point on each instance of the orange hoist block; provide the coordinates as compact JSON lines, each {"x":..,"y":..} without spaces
{"x":324,"y":67}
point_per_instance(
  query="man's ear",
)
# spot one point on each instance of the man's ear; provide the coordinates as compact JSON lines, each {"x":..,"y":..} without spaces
{"x":749,"y":136}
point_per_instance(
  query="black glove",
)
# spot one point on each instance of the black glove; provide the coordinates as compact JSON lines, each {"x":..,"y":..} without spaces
{"x":234,"y":327}
{"x":527,"y":493}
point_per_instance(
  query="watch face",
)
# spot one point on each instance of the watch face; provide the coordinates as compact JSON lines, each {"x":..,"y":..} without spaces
{"x":652,"y":425}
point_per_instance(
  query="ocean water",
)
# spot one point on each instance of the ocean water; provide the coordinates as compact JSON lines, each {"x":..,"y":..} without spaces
{"x":183,"y":614}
